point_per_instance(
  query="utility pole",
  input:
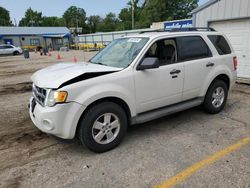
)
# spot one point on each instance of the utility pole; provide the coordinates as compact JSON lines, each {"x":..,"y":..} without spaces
{"x":15,"y":22}
{"x":76,"y":35}
{"x":76,"y":25}
{"x":133,"y":13}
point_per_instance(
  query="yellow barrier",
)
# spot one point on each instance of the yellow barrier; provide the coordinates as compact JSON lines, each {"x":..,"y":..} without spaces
{"x":87,"y":46}
{"x":30,"y":47}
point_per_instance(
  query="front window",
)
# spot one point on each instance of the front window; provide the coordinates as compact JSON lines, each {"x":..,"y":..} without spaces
{"x":120,"y":52}
{"x":35,"y":42}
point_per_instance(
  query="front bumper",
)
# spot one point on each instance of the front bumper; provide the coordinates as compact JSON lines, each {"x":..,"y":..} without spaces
{"x":60,"y":120}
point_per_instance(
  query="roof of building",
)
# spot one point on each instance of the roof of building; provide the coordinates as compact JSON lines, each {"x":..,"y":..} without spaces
{"x":205,"y":5}
{"x":33,"y":30}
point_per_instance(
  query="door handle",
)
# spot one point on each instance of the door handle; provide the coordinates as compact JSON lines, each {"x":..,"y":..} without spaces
{"x":210,"y":64}
{"x":175,"y":71}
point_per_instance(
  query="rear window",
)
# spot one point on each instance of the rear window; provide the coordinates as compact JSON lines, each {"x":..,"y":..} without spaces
{"x":220,"y":44}
{"x":191,"y":48}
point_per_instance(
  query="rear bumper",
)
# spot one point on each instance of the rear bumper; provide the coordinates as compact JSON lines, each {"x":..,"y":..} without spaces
{"x":60,"y":120}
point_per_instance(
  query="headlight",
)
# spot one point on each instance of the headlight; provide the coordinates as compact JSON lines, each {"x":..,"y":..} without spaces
{"x":55,"y":97}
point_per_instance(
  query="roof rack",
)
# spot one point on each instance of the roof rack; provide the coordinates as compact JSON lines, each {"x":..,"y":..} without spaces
{"x":184,"y":29}
{"x":150,"y":31}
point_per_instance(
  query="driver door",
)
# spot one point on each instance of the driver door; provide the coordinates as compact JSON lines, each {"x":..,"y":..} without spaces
{"x":156,"y":88}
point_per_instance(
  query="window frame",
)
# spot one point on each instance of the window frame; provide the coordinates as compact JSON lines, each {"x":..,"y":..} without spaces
{"x":59,"y":43}
{"x":215,"y":46}
{"x":155,"y":41}
{"x":35,"y":39}
{"x":8,"y":47}
{"x":179,"y":59}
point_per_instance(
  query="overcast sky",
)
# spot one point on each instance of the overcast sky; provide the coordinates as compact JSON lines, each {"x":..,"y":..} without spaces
{"x":17,"y":8}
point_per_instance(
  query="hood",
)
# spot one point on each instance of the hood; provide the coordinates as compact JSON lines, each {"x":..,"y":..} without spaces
{"x":57,"y":75}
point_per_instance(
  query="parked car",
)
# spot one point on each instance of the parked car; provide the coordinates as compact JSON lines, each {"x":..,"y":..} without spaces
{"x":8,"y":49}
{"x":133,"y":80}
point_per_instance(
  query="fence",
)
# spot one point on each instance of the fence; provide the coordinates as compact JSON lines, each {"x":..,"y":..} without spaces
{"x":102,"y":39}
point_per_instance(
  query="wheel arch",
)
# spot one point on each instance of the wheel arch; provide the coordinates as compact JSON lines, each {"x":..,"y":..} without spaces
{"x":224,"y":77}
{"x":115,"y":100}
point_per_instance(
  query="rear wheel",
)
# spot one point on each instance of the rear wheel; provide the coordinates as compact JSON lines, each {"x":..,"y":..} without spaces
{"x":103,"y":127}
{"x":216,"y":97}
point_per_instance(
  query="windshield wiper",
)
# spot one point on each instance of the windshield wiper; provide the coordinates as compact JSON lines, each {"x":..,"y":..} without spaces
{"x":99,"y":63}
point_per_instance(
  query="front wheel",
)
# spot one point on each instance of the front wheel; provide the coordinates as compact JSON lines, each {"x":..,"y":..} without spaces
{"x":16,"y":53}
{"x":216,"y":97}
{"x":103,"y":127}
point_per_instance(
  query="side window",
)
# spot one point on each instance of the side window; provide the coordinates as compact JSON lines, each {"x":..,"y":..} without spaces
{"x":220,"y":44}
{"x":8,"y":47}
{"x":191,"y":48}
{"x":35,"y":42}
{"x":164,"y":50}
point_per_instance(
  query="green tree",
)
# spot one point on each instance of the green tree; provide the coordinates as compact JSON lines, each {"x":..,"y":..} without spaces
{"x":74,"y":17}
{"x":31,"y":18}
{"x":161,"y":10}
{"x":52,"y":21}
{"x":94,"y":23}
{"x":4,"y":17}
{"x":110,"y":22}
{"x":125,"y":16}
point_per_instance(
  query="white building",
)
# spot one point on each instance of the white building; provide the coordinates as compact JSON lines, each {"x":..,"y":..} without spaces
{"x":233,"y":18}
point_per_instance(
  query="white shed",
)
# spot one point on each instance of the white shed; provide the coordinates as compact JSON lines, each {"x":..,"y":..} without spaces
{"x":233,"y":18}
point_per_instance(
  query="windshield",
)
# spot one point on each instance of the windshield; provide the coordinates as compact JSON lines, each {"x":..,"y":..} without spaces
{"x":120,"y":52}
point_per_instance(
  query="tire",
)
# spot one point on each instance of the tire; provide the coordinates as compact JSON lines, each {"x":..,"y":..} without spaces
{"x":15,"y":53}
{"x":216,"y":97}
{"x":105,"y":117}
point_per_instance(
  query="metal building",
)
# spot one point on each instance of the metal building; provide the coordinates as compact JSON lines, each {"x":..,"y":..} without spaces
{"x":233,"y":18}
{"x":31,"y":37}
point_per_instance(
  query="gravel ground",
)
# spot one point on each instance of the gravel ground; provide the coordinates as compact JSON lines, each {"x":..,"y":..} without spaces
{"x":150,"y":153}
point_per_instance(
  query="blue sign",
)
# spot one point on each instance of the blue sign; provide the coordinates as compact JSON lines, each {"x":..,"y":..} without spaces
{"x":178,"y":24}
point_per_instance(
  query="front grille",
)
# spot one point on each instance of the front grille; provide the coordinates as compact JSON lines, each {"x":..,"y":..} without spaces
{"x":39,"y":94}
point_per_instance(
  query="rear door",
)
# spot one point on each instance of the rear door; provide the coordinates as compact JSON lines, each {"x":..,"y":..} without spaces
{"x":196,"y":56}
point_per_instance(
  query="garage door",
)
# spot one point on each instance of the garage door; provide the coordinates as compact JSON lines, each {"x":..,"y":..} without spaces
{"x":238,"y":32}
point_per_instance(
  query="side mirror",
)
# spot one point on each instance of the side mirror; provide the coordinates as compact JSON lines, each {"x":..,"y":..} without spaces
{"x":149,"y":63}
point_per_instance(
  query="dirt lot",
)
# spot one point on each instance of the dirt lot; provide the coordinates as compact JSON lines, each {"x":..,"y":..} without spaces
{"x":150,"y":154}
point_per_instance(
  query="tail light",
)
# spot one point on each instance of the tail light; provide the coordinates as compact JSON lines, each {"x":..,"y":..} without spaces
{"x":235,"y":62}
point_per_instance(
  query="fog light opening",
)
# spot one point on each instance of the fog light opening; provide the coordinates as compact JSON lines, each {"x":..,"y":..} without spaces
{"x":47,"y":124}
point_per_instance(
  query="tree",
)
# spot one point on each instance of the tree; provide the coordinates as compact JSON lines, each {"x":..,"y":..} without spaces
{"x":161,"y":10}
{"x":52,"y":21}
{"x":181,"y":9}
{"x":94,"y":23}
{"x":110,"y":22}
{"x":125,"y":16}
{"x":4,"y":17}
{"x":74,"y":17}
{"x":31,"y":18}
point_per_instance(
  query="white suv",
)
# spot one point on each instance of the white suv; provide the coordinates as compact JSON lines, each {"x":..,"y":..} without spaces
{"x":8,"y":49}
{"x":133,"y":80}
